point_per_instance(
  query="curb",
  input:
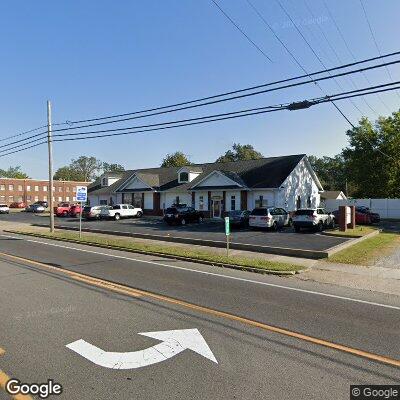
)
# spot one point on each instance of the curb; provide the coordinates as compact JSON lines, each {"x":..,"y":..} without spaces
{"x":347,"y":236}
{"x":170,"y":256}
{"x":282,"y":251}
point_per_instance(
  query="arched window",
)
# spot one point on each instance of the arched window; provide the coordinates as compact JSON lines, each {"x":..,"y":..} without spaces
{"x":298,"y":202}
{"x":308,"y":202}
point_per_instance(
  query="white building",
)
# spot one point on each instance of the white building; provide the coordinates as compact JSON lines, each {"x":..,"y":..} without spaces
{"x":214,"y":188}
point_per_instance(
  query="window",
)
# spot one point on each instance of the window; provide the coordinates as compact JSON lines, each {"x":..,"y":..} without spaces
{"x":20,"y":188}
{"x":183,"y":177}
{"x":28,"y":198}
{"x":10,"y":188}
{"x":67,"y":198}
{"x":59,"y":189}
{"x":308,"y":202}
{"x":10,"y":199}
{"x":36,"y":188}
{"x":74,"y":198}
{"x":44,"y":188}
{"x":137,"y":200}
{"x":177,"y":200}
{"x":104,"y":182}
{"x":103,"y":202}
{"x":201,"y":202}
{"x":59,"y":198}
{"x":19,"y":198}
{"x":45,"y":198}
{"x":233,"y":203}
{"x":2,"y":187}
{"x":28,"y":188}
{"x":36,"y":198}
{"x":67,"y":189}
{"x":298,"y":202}
{"x":261,"y":202}
{"x":3,"y":199}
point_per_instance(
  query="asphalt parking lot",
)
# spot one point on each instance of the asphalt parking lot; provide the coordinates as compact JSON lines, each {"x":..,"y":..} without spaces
{"x":208,"y":230}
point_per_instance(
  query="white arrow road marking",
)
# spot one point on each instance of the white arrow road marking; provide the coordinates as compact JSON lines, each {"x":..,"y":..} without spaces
{"x":173,"y":343}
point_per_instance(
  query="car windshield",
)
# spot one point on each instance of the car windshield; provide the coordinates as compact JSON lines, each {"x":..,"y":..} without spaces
{"x":304,"y":212}
{"x":260,"y":211}
{"x":87,"y":208}
{"x":171,"y":210}
{"x":3,"y":205}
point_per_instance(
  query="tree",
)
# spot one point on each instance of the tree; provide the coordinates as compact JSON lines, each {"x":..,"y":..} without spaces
{"x":240,"y":153}
{"x":177,"y":159}
{"x":67,"y":174}
{"x":13,"y":172}
{"x":373,"y":157}
{"x":112,"y":167}
{"x":331,"y":171}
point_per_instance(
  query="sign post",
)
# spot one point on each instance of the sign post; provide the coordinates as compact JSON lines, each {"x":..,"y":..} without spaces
{"x":227,"y":233}
{"x":81,"y":196}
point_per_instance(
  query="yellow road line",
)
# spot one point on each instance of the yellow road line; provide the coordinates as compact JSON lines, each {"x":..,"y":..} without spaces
{"x":216,"y":313}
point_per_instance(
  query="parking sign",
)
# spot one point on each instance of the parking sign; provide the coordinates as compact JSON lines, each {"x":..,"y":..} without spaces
{"x":81,"y":194}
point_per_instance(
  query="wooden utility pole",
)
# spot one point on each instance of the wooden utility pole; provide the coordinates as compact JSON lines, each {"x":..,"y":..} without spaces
{"x":50,"y":148}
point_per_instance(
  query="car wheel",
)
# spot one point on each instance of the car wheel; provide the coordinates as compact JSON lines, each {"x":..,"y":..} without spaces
{"x":183,"y":221}
{"x":290,"y":222}
{"x":320,"y":226}
{"x":200,"y":220}
{"x":297,"y":229}
{"x":65,"y":214}
{"x":275,"y":226}
{"x":117,"y":217}
{"x":333,"y":223}
{"x":139,"y":214}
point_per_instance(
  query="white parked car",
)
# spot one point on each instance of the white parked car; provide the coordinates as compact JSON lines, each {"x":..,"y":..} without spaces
{"x":313,"y":218}
{"x":4,"y":209}
{"x":121,"y":211}
{"x":271,"y":217}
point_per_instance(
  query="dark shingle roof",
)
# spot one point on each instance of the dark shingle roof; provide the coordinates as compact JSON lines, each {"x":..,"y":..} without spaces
{"x":262,"y":173}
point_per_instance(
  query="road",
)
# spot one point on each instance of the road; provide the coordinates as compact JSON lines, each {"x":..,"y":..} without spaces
{"x":46,"y":306}
{"x":207,"y":230}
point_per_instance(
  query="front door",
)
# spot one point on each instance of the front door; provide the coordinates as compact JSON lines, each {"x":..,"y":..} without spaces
{"x":216,"y":208}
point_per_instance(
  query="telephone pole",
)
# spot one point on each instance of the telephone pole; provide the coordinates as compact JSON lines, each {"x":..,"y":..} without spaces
{"x":50,"y":148}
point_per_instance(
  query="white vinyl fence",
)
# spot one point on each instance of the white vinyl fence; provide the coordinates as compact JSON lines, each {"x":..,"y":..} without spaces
{"x":386,"y":208}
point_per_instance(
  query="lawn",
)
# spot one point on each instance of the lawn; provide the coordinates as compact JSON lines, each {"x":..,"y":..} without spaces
{"x":368,"y":250}
{"x":358,"y":231}
{"x":187,"y":252}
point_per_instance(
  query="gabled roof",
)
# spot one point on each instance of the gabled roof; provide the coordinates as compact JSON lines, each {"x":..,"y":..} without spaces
{"x":268,"y":172}
{"x":332,"y":194}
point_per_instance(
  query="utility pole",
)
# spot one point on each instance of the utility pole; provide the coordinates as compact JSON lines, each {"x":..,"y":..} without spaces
{"x":50,"y":148}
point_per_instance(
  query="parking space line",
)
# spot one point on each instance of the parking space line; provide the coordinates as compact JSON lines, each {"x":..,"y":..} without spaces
{"x":235,"y":278}
{"x":221,"y":314}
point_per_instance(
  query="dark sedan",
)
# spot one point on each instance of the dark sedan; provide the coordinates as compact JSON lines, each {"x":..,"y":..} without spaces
{"x":239,"y":218}
{"x":182,"y":215}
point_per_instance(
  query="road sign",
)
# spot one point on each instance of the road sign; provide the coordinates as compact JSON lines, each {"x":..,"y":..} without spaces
{"x":81,"y":194}
{"x":172,"y":343}
{"x":227,"y":227}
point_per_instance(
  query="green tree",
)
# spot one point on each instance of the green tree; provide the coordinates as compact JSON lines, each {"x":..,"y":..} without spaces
{"x":112,"y":167}
{"x":13,"y":172}
{"x":67,"y":174}
{"x":373,"y":157}
{"x":240,"y":152}
{"x":177,"y":159}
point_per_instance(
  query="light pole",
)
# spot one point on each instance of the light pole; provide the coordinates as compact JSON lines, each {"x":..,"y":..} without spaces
{"x":50,"y":148}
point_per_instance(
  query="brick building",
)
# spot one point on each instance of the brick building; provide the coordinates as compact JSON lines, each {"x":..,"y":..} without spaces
{"x":32,"y":190}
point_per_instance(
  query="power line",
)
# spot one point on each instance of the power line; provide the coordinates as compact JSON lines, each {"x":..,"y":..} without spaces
{"x":315,"y":80}
{"x":336,"y":54}
{"x":242,"y":31}
{"x":349,"y":50}
{"x":209,"y":118}
{"x":320,"y":60}
{"x":374,"y":39}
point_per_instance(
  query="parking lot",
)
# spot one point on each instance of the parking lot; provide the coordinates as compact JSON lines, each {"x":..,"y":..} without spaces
{"x":209,"y":230}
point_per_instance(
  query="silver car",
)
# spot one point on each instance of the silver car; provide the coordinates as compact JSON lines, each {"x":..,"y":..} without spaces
{"x":93,"y":212}
{"x":271,"y":217}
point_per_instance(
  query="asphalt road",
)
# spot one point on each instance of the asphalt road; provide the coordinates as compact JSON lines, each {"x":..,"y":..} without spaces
{"x":42,"y":310}
{"x":206,"y":230}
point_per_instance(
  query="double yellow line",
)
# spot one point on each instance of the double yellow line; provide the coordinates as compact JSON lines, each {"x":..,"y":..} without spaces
{"x":205,"y":310}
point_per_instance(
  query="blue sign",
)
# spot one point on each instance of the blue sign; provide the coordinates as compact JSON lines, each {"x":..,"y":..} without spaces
{"x":81,"y":194}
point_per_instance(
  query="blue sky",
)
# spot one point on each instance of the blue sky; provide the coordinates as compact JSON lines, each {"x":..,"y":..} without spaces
{"x":96,"y":58}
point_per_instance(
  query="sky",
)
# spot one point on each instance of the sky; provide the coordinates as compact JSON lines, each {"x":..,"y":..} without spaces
{"x":99,"y":58}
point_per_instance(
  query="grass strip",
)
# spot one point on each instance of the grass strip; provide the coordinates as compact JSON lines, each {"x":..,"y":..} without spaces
{"x":358,"y":231}
{"x":368,"y":250}
{"x":165,"y":250}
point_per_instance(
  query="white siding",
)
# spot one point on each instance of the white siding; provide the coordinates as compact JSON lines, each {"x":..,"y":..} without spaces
{"x":170,"y":198}
{"x":205,"y":200}
{"x":255,"y":195}
{"x":228,"y":195}
{"x":136,"y":183}
{"x":299,"y":183}
{"x":148,"y":200}
{"x":216,"y":179}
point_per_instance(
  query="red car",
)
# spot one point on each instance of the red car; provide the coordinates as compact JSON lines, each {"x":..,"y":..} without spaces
{"x":18,"y":204}
{"x":363,"y":216}
{"x":75,"y":210}
{"x":67,"y":210}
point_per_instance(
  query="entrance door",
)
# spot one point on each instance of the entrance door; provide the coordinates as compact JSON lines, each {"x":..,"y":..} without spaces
{"x":216,"y":208}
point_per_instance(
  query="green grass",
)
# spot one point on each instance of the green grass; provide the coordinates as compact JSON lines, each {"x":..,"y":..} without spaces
{"x":189,"y":252}
{"x":358,"y":231}
{"x":365,"y":252}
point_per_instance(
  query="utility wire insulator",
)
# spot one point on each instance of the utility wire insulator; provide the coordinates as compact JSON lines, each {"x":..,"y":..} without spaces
{"x":300,"y":105}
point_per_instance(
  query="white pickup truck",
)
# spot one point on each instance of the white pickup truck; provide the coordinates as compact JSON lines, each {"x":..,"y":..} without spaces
{"x":121,"y":211}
